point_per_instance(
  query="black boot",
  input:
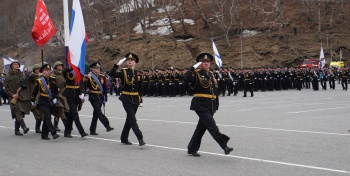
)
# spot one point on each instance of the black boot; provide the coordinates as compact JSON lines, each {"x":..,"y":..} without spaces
{"x":109,"y":128}
{"x":37,"y":126}
{"x":17,"y":132}
{"x":24,"y":127}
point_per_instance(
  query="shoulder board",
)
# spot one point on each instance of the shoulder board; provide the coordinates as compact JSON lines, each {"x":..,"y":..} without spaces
{"x":124,"y":68}
{"x":197,"y":70}
{"x":101,"y":75}
{"x":52,"y":77}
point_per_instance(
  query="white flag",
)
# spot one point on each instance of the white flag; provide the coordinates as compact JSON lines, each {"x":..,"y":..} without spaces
{"x":8,"y":61}
{"x":217,"y":57}
{"x":322,"y":59}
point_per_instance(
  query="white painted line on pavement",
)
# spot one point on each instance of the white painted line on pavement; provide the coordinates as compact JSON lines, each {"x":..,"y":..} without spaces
{"x":231,"y":156}
{"x":315,"y":110}
{"x":237,"y":126}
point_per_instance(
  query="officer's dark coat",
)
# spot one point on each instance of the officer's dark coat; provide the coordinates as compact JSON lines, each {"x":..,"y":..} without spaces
{"x":202,"y":82}
{"x":131,"y":81}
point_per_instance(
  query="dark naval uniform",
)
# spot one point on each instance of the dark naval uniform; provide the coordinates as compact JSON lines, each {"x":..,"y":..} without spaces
{"x":97,"y":98}
{"x":72,"y":93}
{"x":45,"y":102}
{"x":131,"y":83}
{"x":205,"y":102}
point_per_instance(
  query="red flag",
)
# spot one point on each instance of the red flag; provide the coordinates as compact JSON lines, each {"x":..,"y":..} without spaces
{"x":43,"y":28}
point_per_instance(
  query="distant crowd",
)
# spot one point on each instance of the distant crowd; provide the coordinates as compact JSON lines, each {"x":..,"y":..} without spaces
{"x":169,"y":82}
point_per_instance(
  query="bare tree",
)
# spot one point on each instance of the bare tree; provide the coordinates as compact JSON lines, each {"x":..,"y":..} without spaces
{"x":201,"y":13}
{"x":226,"y":13}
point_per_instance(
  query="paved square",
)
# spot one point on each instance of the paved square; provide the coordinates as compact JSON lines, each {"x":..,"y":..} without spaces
{"x":273,"y":133}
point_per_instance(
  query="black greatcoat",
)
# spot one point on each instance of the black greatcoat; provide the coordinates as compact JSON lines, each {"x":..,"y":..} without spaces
{"x":131,"y":83}
{"x":205,"y":102}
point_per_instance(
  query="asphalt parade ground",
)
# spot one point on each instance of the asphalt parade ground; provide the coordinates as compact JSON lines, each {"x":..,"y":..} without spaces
{"x":273,"y":133}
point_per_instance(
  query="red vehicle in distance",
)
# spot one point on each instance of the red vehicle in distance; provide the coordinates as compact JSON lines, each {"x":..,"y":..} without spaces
{"x":310,"y":63}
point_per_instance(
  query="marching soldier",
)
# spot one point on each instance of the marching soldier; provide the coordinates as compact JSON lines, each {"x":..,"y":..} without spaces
{"x":152,"y":85}
{"x":331,"y":78}
{"x":145,"y":78}
{"x":131,"y":96}
{"x":324,"y":79}
{"x":299,"y":78}
{"x":248,"y":84}
{"x":315,"y":79}
{"x":62,"y":106}
{"x":47,"y":90}
{"x":31,"y":85}
{"x":75,"y":99}
{"x":96,"y":83}
{"x":160,"y":85}
{"x":205,"y":102}
{"x":344,"y":79}
{"x":15,"y":88}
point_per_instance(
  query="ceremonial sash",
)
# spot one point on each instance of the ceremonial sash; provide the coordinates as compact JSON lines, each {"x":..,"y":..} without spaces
{"x":99,"y":85}
{"x":229,"y":73}
{"x":46,"y":87}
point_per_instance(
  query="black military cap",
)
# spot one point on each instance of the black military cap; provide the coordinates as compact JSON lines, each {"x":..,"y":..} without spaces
{"x":45,"y":67}
{"x":132,"y":56}
{"x":95,"y":65}
{"x":204,"y":57}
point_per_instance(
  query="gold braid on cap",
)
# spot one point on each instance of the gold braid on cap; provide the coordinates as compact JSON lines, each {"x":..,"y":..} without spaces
{"x":130,"y":56}
{"x":205,"y":57}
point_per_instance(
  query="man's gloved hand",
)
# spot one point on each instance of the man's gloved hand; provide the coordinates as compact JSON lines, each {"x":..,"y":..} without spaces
{"x":33,"y":103}
{"x":54,"y":101}
{"x":81,"y":96}
{"x":197,"y":65}
{"x":121,"y":61}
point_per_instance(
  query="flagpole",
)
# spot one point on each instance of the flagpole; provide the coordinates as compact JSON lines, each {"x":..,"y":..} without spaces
{"x":42,"y":55}
{"x":66,"y":27}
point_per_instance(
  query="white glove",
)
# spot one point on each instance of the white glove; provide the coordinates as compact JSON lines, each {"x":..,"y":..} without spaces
{"x":33,"y":104}
{"x":81,"y":96}
{"x":197,"y":65}
{"x":54,"y":101}
{"x":140,"y":105}
{"x":121,"y":61}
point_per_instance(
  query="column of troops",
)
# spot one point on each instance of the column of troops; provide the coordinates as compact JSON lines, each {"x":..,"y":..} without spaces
{"x":57,"y":91}
{"x":44,"y":93}
{"x":170,"y":82}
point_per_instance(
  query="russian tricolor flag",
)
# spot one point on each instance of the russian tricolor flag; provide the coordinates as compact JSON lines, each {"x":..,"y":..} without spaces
{"x":77,"y":42}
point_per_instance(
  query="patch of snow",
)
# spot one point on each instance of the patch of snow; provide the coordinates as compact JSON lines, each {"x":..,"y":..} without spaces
{"x":162,"y":25}
{"x":248,"y":33}
{"x":189,"y":21}
{"x":186,"y":40}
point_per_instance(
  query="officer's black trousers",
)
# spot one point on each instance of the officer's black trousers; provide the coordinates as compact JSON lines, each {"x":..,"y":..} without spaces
{"x":73,"y":115}
{"x":344,"y":83}
{"x":248,"y":87}
{"x":130,"y":122}
{"x":97,"y":114}
{"x":206,"y":122}
{"x":47,"y":127}
{"x":331,"y":83}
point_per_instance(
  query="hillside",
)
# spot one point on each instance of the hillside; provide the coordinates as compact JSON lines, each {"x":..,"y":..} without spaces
{"x":288,"y":31}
